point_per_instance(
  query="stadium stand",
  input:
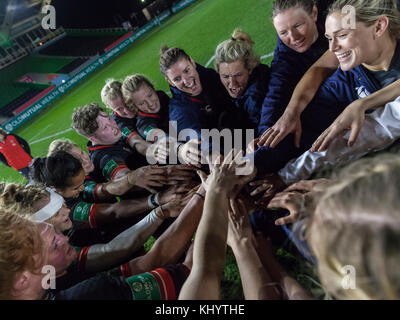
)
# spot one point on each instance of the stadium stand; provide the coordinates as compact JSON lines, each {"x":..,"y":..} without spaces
{"x":79,"y":46}
{"x":7,"y":110}
{"x":72,"y":66}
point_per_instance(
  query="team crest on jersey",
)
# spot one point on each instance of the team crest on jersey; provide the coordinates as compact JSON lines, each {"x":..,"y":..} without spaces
{"x":362,"y":92}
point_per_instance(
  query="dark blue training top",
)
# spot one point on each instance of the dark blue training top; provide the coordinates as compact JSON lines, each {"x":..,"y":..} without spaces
{"x":287,"y":68}
{"x":250,"y":102}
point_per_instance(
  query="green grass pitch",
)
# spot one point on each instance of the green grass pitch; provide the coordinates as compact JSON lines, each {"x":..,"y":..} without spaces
{"x":198,"y":29}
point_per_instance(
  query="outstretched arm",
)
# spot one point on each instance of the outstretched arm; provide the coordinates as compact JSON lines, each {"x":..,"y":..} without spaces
{"x":352,"y":118}
{"x":302,"y":95}
{"x":256,"y":282}
{"x":170,"y":246}
{"x":210,"y":243}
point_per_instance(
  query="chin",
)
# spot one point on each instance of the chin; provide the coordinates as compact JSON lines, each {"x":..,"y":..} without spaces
{"x":347,"y":66}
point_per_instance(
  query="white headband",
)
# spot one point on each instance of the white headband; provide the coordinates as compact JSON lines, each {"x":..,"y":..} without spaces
{"x":50,"y":209}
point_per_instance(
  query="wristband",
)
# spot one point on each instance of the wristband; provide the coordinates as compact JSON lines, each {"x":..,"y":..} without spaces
{"x":150,"y":202}
{"x":154,"y":200}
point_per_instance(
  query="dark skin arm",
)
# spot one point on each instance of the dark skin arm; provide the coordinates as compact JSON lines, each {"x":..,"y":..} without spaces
{"x":172,"y":243}
{"x":109,"y":212}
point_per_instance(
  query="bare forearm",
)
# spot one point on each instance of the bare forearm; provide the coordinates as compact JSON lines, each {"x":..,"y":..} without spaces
{"x":172,"y":243}
{"x":209,"y":250}
{"x":290,"y":286}
{"x":109,"y":212}
{"x":118,"y":187}
{"x":210,"y":243}
{"x":311,"y":81}
{"x":257,"y":283}
{"x":381,"y":97}
{"x":119,"y":249}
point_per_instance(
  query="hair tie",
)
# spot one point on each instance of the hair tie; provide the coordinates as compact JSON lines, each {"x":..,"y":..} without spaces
{"x":50,"y":209}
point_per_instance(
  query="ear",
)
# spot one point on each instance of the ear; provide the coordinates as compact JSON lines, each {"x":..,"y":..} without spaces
{"x":315,"y":13}
{"x":381,"y":26}
{"x":21,"y":282}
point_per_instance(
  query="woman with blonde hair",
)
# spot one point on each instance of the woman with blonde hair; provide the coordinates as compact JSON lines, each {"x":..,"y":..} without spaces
{"x":243,"y":75}
{"x":125,"y":118}
{"x":355,"y":231}
{"x":152,"y":123}
{"x":151,"y":106}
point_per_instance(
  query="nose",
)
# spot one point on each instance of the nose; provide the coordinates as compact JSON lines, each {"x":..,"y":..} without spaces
{"x":232,"y":82}
{"x":81,"y":188}
{"x":294,"y":35}
{"x":186,"y":80}
{"x":333,"y":45}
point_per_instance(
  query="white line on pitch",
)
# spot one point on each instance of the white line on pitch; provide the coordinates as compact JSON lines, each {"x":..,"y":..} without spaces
{"x":209,"y":61}
{"x":51,"y":136}
{"x":267,"y":56}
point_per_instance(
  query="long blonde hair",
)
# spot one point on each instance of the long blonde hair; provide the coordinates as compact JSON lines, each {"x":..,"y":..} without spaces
{"x":369,"y":11}
{"x":131,"y":84}
{"x":356,"y":225}
{"x":60,"y":145}
{"x":111,"y":91}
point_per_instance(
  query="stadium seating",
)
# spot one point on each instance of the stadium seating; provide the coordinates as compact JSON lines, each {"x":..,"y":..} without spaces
{"x":76,"y":46}
{"x":7,"y":110}
{"x":70,"y":67}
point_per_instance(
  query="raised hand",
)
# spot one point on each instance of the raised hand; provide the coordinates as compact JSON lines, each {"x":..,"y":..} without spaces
{"x":352,"y":118}
{"x":289,"y":122}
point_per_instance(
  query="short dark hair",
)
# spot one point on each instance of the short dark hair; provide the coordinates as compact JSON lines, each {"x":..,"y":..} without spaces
{"x":84,"y":119}
{"x":56,"y":170}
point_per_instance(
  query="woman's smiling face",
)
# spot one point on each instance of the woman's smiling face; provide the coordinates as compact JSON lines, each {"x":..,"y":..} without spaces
{"x":296,"y":28}
{"x":352,"y":47}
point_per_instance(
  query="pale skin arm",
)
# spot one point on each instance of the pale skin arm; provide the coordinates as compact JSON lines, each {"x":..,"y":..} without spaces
{"x":146,"y":177}
{"x":209,"y":251}
{"x":292,"y":289}
{"x":254,"y":277}
{"x":352,"y":118}
{"x":210,"y":243}
{"x":139,"y":144}
{"x":302,"y":95}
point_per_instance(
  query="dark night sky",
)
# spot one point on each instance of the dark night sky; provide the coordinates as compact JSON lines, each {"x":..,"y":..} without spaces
{"x":94,"y":13}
